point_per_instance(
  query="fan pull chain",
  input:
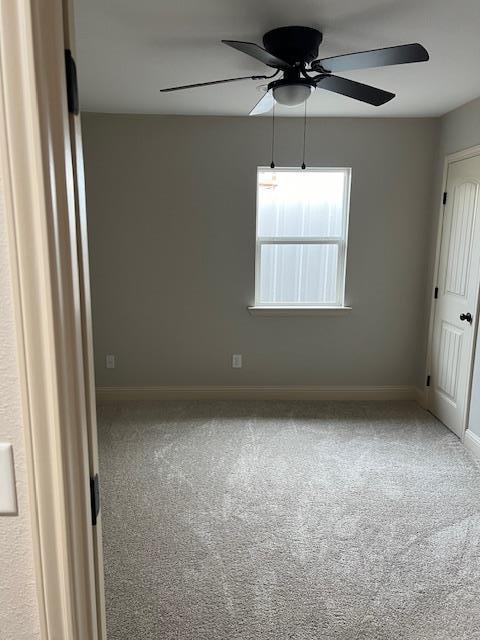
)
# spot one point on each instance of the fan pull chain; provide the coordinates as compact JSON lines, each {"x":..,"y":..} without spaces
{"x":272,"y":164}
{"x":304,"y":166}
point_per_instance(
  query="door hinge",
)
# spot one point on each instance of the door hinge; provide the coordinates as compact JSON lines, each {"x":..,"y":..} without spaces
{"x":95,"y":498}
{"x":72,"y":84}
{"x":428,"y":381}
{"x":435,"y":294}
{"x":445,"y":195}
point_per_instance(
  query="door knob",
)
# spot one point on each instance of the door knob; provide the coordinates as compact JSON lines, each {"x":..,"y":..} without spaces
{"x":467,"y":317}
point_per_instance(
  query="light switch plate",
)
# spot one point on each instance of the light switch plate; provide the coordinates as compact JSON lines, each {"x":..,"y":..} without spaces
{"x":8,"y":493}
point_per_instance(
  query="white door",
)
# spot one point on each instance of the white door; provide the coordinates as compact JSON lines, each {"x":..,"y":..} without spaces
{"x":456,"y":304}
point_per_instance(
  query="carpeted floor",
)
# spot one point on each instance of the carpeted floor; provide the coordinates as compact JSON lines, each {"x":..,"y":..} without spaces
{"x":288,"y":521}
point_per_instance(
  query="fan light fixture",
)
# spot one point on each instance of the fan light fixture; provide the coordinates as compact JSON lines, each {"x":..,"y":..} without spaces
{"x":293,"y":51}
{"x":292,"y":94}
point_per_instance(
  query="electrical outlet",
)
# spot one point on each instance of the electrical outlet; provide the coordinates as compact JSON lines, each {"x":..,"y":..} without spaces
{"x":237,"y":361}
{"x":110,"y":362}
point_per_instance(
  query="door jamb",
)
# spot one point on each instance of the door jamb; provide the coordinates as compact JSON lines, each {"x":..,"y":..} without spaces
{"x":457,"y":156}
{"x":38,"y":183}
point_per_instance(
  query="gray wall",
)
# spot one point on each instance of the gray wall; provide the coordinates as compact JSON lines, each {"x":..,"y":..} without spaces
{"x":460,"y":129}
{"x":171,"y":206}
{"x":18,"y":593}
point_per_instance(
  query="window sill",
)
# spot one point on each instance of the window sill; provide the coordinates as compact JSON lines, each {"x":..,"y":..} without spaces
{"x":298,"y":311}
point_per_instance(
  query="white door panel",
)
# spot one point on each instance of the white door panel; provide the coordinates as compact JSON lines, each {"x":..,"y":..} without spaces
{"x":458,"y":283}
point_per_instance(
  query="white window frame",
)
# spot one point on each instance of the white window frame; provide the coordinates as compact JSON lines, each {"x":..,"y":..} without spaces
{"x":340,"y":241}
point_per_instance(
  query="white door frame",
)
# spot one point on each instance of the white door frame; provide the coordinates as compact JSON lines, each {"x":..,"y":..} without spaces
{"x":51,"y":307}
{"x":464,"y":154}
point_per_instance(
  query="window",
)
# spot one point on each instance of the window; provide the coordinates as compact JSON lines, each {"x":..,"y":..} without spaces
{"x":302,"y":221}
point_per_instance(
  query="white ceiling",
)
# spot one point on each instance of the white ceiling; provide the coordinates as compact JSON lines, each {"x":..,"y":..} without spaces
{"x":128,"y":49}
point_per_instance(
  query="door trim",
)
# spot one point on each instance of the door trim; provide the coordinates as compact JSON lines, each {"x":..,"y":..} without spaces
{"x":38,"y":181}
{"x":472,"y":443}
{"x":464,"y":154}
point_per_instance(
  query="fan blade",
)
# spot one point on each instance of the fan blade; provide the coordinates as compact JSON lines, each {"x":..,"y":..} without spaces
{"x":206,"y":84}
{"x":263,"y":105}
{"x":254,"y":50}
{"x":403,"y":54}
{"x":352,"y":89}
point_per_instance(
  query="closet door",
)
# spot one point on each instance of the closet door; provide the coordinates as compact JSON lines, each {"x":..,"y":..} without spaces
{"x":458,"y":282}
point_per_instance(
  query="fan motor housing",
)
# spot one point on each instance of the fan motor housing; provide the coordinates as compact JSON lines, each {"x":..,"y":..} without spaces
{"x":293,"y":44}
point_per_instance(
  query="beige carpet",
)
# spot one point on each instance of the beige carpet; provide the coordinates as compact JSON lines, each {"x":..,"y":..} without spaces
{"x":288,"y":521}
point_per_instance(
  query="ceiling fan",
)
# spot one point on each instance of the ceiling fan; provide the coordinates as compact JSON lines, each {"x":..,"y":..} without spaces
{"x":292,"y":51}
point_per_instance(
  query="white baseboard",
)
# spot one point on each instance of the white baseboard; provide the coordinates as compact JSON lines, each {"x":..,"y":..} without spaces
{"x":118,"y":394}
{"x":472,"y":443}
